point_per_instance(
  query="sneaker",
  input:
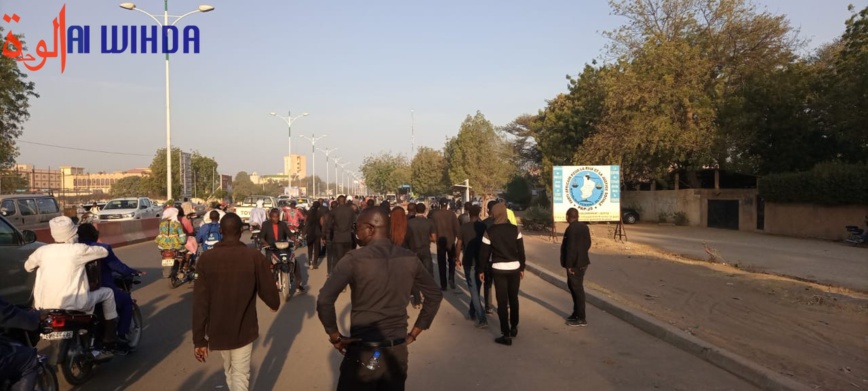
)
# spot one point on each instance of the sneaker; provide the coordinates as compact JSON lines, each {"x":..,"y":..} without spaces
{"x":573,"y":318}
{"x":504,"y":340}
{"x":301,"y":289}
{"x":121,"y":349}
{"x":489,"y":310}
{"x":514,"y":332}
{"x":481,"y":325}
{"x":578,"y":323}
{"x":102,"y":355}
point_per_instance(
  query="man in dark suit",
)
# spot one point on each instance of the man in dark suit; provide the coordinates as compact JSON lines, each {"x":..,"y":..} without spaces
{"x":340,"y":223}
{"x":574,"y":258}
{"x":274,"y":230}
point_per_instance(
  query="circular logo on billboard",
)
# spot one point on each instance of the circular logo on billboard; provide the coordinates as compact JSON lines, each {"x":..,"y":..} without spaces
{"x":587,"y":188}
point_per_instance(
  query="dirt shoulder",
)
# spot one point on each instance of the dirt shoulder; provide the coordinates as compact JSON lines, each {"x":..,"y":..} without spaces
{"x":815,"y":334}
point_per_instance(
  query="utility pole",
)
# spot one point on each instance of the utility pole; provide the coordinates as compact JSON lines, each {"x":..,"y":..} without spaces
{"x":412,"y":134}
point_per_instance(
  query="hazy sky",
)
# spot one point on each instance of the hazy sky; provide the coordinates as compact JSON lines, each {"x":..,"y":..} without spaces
{"x":357,"y":67}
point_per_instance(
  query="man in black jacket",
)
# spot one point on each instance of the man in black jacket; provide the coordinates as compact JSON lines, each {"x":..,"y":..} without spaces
{"x":340,"y":228}
{"x":574,"y":258}
{"x":274,"y":230}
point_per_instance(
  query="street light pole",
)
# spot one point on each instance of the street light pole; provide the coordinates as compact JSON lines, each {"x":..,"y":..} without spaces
{"x":327,"y":152}
{"x":313,"y":139}
{"x":336,"y":160}
{"x":343,"y":174}
{"x":165,"y":22}
{"x":289,"y":120}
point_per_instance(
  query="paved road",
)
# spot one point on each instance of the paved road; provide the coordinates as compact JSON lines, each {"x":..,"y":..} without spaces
{"x":822,"y":261}
{"x":292,"y":352}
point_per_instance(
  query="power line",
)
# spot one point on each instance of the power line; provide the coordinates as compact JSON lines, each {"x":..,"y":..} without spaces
{"x":82,"y":149}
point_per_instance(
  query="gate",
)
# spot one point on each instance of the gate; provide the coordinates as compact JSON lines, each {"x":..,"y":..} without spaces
{"x":723,"y":214}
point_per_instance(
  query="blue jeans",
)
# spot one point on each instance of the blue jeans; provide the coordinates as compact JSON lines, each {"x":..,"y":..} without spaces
{"x":124,"y":304}
{"x":474,"y":284}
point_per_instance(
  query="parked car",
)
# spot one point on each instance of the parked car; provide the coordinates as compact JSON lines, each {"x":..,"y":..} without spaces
{"x":29,"y":210}
{"x":629,"y":216}
{"x":130,"y":208}
{"x":515,"y":206}
{"x":302,"y":203}
{"x":15,"y":247}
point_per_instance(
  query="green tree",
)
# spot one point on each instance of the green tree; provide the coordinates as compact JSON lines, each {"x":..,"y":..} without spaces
{"x":428,"y":172}
{"x":11,"y":182}
{"x":385,"y":172}
{"x":205,"y":176}
{"x":526,"y":153}
{"x":155,"y":184}
{"x":518,"y":190}
{"x":15,"y":94}
{"x":131,"y":186}
{"x":242,"y":186}
{"x":480,"y":154}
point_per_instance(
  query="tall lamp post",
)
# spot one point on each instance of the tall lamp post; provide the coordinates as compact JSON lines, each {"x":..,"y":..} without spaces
{"x":343,"y":174}
{"x":313,"y":139}
{"x":165,"y":22}
{"x":289,"y":120}
{"x":327,"y":152}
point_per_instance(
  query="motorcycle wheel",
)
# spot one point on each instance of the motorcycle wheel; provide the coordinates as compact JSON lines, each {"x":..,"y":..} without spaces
{"x":136,"y":327}
{"x":77,"y":368}
{"x":175,"y":277}
{"x":285,"y":285}
{"x":290,"y":271}
{"x":47,"y":380}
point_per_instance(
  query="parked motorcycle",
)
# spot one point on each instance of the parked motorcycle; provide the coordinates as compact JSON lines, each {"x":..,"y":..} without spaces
{"x":176,"y":268}
{"x":75,"y":338}
{"x":855,"y":234}
{"x":47,"y":378}
{"x":283,"y":268}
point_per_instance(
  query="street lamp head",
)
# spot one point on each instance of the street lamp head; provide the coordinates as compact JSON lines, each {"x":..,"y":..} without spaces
{"x":206,"y":8}
{"x":128,"y":6}
{"x":305,"y":114}
{"x":273,"y":114}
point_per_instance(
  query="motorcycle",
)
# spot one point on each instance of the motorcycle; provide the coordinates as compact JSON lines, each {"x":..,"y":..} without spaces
{"x":254,"y":236}
{"x":176,"y":268}
{"x":46,"y":380}
{"x":855,"y":234}
{"x":75,"y":338}
{"x":283,"y":268}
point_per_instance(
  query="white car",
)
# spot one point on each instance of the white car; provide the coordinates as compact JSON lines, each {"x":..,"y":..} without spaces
{"x":132,"y":208}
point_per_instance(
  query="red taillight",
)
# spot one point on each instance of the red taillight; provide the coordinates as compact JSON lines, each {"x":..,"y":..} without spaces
{"x":58,"y":322}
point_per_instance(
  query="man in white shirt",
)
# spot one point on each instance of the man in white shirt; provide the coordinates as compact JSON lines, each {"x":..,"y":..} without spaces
{"x":61,"y":281}
{"x":258,"y":214}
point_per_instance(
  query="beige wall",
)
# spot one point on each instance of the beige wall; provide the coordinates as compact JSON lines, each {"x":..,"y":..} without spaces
{"x":693,"y":202}
{"x":813,"y":221}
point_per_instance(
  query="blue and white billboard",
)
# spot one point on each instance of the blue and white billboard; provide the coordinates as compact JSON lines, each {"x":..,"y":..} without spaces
{"x":594,"y":190}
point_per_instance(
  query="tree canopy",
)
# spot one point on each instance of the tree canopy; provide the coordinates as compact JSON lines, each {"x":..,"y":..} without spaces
{"x":428,"y":172}
{"x":386,"y":172}
{"x":480,"y":154}
{"x":15,"y":95}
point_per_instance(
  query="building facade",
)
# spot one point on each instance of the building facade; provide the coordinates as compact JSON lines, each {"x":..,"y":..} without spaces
{"x":40,"y":179}
{"x":295,"y":166}
{"x":77,"y":181}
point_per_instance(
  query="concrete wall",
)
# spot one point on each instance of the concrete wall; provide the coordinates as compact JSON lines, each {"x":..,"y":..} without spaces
{"x":813,"y":221}
{"x":692,"y":202}
{"x":116,"y":233}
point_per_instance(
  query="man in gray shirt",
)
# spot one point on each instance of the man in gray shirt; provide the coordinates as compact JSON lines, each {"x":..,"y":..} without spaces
{"x":381,"y":276}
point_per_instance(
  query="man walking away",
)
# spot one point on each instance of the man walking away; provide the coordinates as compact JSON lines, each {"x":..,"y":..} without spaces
{"x":341,"y":221}
{"x":420,"y":234}
{"x":231,"y":276}
{"x":448,"y":229}
{"x":469,"y":244}
{"x":489,"y":280}
{"x":464,"y":218}
{"x":574,"y":258}
{"x":411,"y":210}
{"x":381,"y":276}
{"x":503,"y":242}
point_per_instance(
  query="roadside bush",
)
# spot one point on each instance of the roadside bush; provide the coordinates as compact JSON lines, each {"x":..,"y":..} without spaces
{"x":680,"y":218}
{"x":826,"y":184}
{"x":662,"y":217}
{"x":537,"y":218}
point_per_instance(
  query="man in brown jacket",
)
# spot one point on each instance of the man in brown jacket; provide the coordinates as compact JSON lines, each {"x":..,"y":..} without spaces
{"x":231,"y":275}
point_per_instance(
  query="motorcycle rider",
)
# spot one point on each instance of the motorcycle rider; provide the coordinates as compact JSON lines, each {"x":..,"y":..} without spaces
{"x":89,"y":235}
{"x":18,"y":364}
{"x":257,"y":216}
{"x":273,"y":231}
{"x":293,"y":218}
{"x":61,"y":281}
{"x":210,"y":232}
{"x":171,"y":236}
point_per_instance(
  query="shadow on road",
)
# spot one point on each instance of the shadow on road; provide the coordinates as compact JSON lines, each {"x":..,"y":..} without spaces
{"x":279,"y":338}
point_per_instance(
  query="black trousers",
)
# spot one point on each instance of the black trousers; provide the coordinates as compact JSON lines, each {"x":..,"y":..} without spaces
{"x":391,"y":374}
{"x":506,"y":284}
{"x":313,"y":248}
{"x":425,"y":257}
{"x":339,"y":250}
{"x":445,"y":253}
{"x":486,"y":289}
{"x":576,"y":283}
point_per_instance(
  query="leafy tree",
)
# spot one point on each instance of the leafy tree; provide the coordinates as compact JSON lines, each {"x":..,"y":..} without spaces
{"x":205,"y":177}
{"x":480,"y":154}
{"x":385,"y":173}
{"x":518,"y":190}
{"x":155,"y":183}
{"x":11,"y":181}
{"x":131,"y":186}
{"x":242,"y":186}
{"x":15,"y":94}
{"x":428,"y":172}
{"x":527,"y":155}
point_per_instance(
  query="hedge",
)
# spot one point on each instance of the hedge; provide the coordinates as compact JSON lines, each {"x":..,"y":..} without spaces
{"x":825,"y":184}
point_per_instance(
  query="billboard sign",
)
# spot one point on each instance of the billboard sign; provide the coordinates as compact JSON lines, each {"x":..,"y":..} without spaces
{"x":594,"y":190}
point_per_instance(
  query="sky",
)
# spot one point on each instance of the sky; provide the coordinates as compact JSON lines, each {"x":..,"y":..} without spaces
{"x":358,"y":68}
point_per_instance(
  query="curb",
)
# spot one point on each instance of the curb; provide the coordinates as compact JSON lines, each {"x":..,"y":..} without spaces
{"x":741,"y":367}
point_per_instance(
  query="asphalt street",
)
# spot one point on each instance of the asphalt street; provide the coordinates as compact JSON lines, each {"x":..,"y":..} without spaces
{"x":293,"y":352}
